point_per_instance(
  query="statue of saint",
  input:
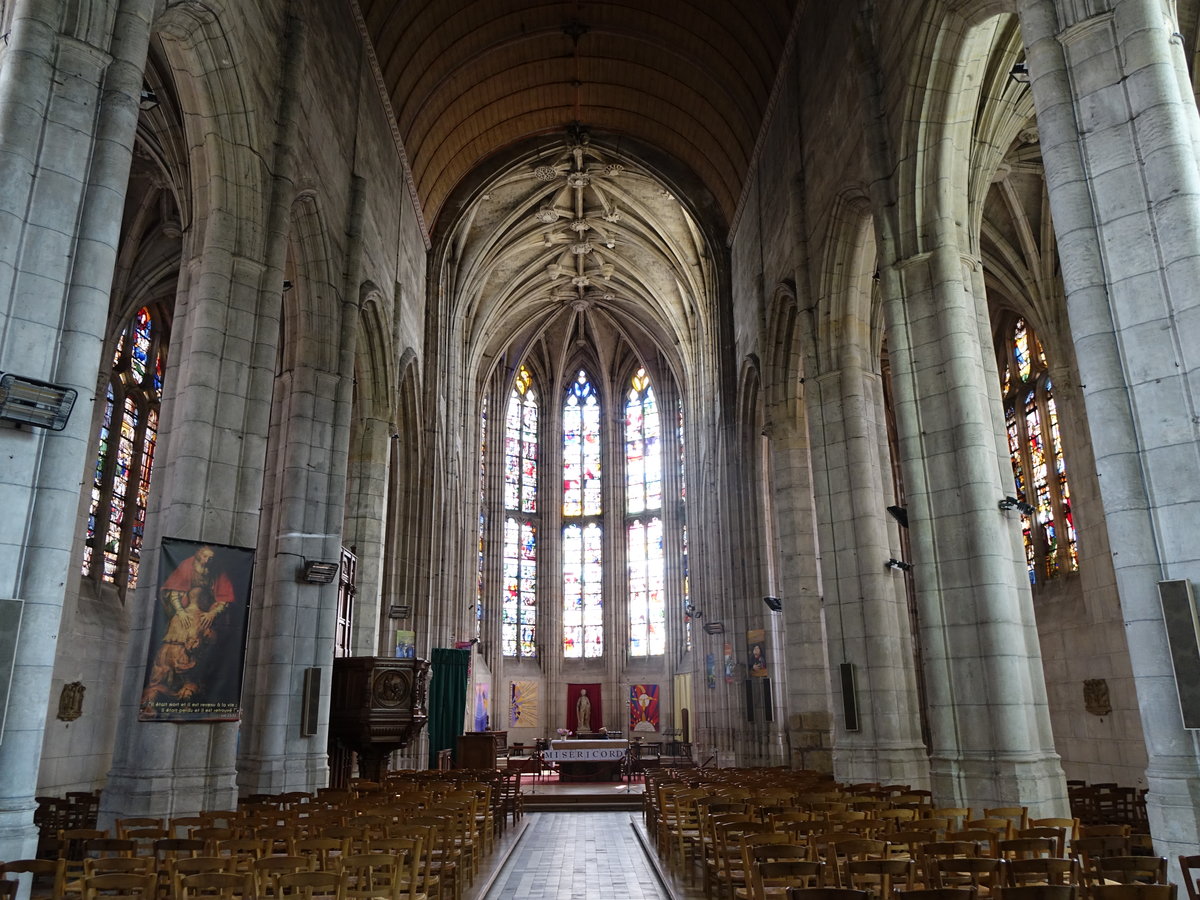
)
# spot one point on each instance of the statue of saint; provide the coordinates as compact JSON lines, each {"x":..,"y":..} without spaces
{"x":583,"y":712}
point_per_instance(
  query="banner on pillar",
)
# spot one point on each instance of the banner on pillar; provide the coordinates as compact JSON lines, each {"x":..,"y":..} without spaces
{"x":643,"y":707}
{"x":198,"y":637}
{"x":481,"y":716}
{"x":756,"y":647}
{"x":523,"y":704}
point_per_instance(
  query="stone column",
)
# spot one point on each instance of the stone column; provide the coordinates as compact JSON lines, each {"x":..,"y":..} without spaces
{"x":366,"y":518}
{"x":1117,"y":120}
{"x":866,"y":612}
{"x":989,"y":721}
{"x":804,"y":660}
{"x":68,"y":114}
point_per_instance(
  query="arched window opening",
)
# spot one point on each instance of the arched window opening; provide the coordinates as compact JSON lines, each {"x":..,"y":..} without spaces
{"x":518,"y":635}
{"x":582,"y":564}
{"x":1035,"y":445}
{"x":643,"y":498}
{"x":125,"y":459}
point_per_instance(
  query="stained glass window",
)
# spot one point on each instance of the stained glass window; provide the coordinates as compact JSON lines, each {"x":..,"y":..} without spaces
{"x":518,"y":617}
{"x":521,"y":447}
{"x":581,"y":449}
{"x":687,"y":595}
{"x":1035,"y":447}
{"x":480,"y":606}
{"x":518,"y":621}
{"x":125,"y":454}
{"x":582,"y":562}
{"x":643,"y":494}
{"x":583,"y":627}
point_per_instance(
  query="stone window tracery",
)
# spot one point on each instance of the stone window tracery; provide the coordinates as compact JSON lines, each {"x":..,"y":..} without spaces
{"x":519,"y":609}
{"x":644,"y":525}
{"x":1035,"y":447}
{"x":125,"y":459}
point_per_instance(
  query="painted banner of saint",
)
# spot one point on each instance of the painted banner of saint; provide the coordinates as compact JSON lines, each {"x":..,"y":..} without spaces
{"x":198,"y":638}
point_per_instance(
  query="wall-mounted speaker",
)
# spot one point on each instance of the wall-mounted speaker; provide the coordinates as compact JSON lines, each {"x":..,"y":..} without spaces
{"x":849,"y":696}
{"x":310,"y":703}
{"x":1179,"y":614}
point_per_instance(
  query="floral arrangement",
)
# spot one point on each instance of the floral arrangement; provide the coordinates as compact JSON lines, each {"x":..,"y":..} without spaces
{"x":564,"y":732}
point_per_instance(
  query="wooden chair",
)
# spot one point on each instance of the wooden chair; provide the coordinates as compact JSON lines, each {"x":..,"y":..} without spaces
{"x":181,"y":826}
{"x":774,"y":878}
{"x":1132,"y":892}
{"x":879,"y":877}
{"x":1055,"y":833}
{"x":121,"y":886}
{"x":1018,"y":816}
{"x":1037,"y":892}
{"x":825,"y":893}
{"x":981,"y":873}
{"x":765,"y":841}
{"x":442,"y":854}
{"x":222,"y":885}
{"x":308,"y":885}
{"x":124,"y":826}
{"x":1027,"y":848}
{"x":727,"y":871}
{"x":1000,"y":828}
{"x":1071,"y":825}
{"x":1189,"y":868}
{"x":988,"y":841}
{"x":895,"y":819}
{"x":243,"y":852}
{"x":424,"y":838}
{"x":956,"y":816}
{"x":268,"y":869}
{"x":759,"y":889}
{"x":1042,"y":870}
{"x":45,"y":874}
{"x":860,"y":850}
{"x":1125,"y":870}
{"x":178,"y":869}
{"x":1089,"y":849}
{"x":370,"y":876}
{"x":947,"y":893}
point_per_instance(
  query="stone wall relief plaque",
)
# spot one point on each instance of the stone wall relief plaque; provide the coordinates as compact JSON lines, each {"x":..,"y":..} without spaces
{"x":70,"y":701}
{"x":1095,"y":697}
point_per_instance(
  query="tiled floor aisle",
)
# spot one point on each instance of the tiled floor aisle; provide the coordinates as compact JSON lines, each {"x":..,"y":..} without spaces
{"x":578,"y":856}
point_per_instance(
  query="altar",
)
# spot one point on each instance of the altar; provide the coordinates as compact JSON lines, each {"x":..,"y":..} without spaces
{"x":580,"y":760}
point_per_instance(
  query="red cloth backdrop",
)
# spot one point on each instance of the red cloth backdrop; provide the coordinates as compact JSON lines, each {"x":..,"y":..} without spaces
{"x":597,"y":707}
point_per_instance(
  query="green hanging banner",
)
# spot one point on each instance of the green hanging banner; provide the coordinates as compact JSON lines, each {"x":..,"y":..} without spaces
{"x":447,"y":700}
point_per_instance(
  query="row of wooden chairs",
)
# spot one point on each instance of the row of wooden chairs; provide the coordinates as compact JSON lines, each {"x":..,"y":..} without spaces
{"x":394,"y":873}
{"x":1035,"y":892}
{"x":773,"y":868}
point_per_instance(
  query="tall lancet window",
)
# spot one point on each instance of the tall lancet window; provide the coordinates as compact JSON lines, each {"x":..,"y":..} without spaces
{"x":583,"y":565}
{"x":519,"y":610}
{"x":128,"y":432}
{"x":1035,"y":444}
{"x":643,"y":519}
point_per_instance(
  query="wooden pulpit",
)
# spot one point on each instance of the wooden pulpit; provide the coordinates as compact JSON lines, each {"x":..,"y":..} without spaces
{"x":376,"y":706}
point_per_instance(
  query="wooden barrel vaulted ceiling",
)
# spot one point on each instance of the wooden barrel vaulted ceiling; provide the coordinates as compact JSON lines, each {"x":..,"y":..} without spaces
{"x":467,"y":78}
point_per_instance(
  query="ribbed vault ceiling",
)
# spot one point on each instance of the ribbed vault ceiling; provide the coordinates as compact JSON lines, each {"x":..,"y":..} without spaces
{"x":467,"y":78}
{"x":572,"y":244}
